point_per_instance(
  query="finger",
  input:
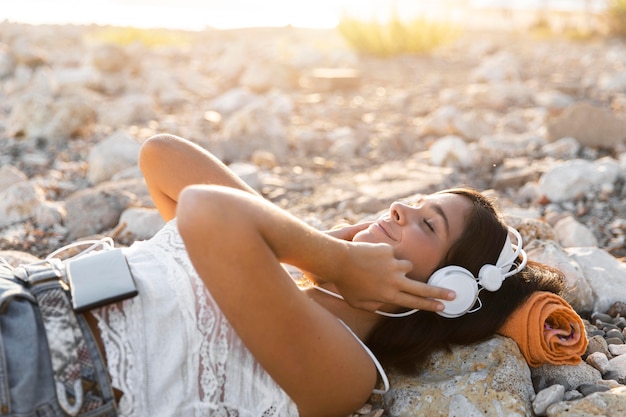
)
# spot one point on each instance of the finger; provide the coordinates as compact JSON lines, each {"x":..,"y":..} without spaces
{"x":362,"y":225}
{"x":339,"y":233}
{"x":419,"y":303}
{"x":405,"y":267}
{"x":347,"y":232}
{"x":356,"y":228}
{"x":423,"y":290}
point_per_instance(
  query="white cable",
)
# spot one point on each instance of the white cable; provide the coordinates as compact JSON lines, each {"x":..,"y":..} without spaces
{"x":382,"y":313}
{"x":106,"y":243}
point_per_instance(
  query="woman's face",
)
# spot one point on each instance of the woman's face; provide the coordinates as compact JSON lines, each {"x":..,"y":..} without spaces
{"x":421,"y":233}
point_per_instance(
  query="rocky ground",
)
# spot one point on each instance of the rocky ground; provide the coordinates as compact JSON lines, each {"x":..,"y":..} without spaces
{"x":320,"y":130}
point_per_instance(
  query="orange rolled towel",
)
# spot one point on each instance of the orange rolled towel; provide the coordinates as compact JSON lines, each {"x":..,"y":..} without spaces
{"x":547,"y":330}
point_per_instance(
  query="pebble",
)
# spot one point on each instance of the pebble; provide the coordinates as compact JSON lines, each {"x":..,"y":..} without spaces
{"x":611,"y":375}
{"x":617,"y":309}
{"x":368,"y":411}
{"x":547,"y":397}
{"x":587,"y":389}
{"x":615,"y":334}
{"x":614,"y":341}
{"x":572,"y":395}
{"x":617,"y":349}
{"x":599,"y":361}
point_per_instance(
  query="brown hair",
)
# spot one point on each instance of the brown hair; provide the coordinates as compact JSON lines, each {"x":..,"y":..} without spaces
{"x":404,"y":344}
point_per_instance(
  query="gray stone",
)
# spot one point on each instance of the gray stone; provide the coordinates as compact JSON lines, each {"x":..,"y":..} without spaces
{"x":112,"y":155}
{"x":618,"y":365}
{"x":20,"y":202}
{"x":10,"y":175}
{"x":95,"y":210}
{"x":547,"y":397}
{"x":490,"y":378}
{"x":572,"y":179}
{"x":588,"y":389}
{"x":572,"y":233}
{"x":599,"y":361}
{"x":605,"y":275}
{"x":569,"y":375}
{"x":578,"y":292}
{"x":590,"y":125}
{"x":601,"y":404}
{"x":138,"y":223}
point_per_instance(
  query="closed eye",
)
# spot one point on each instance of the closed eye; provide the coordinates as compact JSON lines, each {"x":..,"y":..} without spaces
{"x":427,"y":222}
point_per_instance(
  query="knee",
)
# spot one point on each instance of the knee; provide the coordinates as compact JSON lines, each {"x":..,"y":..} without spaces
{"x":198,"y":201}
{"x":195,"y":211}
{"x":155,"y":145}
{"x":186,"y":211}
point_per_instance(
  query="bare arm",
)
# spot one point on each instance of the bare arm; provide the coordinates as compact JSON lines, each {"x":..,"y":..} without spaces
{"x":170,"y":163}
{"x":237,"y":241}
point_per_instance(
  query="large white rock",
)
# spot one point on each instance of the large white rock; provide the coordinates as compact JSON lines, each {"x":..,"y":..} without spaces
{"x":95,"y":210}
{"x":578,"y":293}
{"x":489,"y":378}
{"x":19,"y":202}
{"x":571,"y":179}
{"x":451,"y":151}
{"x":502,"y":66}
{"x":605,"y":274}
{"x":255,"y":127}
{"x":40,"y":116}
{"x":127,"y":110}
{"x":572,"y":233}
{"x":114,"y":154}
{"x":138,"y":223}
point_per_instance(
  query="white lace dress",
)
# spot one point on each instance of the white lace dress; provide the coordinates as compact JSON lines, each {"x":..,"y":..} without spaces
{"x":171,"y":350}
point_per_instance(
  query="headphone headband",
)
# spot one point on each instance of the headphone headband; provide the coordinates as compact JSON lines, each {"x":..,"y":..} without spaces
{"x":490,"y":277}
{"x":510,"y":253}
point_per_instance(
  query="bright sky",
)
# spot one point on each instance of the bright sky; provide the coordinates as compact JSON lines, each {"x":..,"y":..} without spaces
{"x":186,"y":14}
{"x":198,"y":14}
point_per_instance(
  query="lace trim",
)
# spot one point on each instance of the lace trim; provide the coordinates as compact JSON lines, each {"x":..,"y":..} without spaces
{"x":220,"y":377}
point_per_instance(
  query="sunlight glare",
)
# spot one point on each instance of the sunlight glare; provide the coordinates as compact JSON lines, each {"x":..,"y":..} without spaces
{"x":199,"y":14}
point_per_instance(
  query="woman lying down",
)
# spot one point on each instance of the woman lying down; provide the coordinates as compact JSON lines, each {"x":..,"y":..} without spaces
{"x":219,"y":328}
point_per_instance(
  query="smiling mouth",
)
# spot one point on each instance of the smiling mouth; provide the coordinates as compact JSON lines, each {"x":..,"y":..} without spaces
{"x":381,"y":226}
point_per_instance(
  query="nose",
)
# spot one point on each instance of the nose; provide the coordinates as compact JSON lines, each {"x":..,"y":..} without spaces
{"x":399,"y":212}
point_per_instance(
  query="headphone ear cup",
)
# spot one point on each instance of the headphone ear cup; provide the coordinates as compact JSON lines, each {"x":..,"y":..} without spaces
{"x":490,"y":277}
{"x":463,"y":283}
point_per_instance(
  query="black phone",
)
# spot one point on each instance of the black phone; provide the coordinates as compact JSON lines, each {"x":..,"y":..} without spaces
{"x":99,"y":278}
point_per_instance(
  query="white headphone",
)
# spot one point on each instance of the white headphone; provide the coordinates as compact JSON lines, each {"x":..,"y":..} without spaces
{"x":464,"y":284}
{"x":490,"y":277}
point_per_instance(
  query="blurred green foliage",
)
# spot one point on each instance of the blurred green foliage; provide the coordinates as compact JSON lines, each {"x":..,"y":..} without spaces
{"x":148,"y":37}
{"x":616,"y":17}
{"x":395,"y":37}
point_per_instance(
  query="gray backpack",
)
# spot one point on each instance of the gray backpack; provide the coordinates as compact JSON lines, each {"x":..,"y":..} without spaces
{"x":50,"y":364}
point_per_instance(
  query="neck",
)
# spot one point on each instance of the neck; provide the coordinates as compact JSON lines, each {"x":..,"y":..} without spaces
{"x":360,"y":321}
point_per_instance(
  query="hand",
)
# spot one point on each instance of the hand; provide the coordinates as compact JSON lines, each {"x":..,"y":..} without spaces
{"x":347,"y":232}
{"x":343,"y":232}
{"x":372,"y":277}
